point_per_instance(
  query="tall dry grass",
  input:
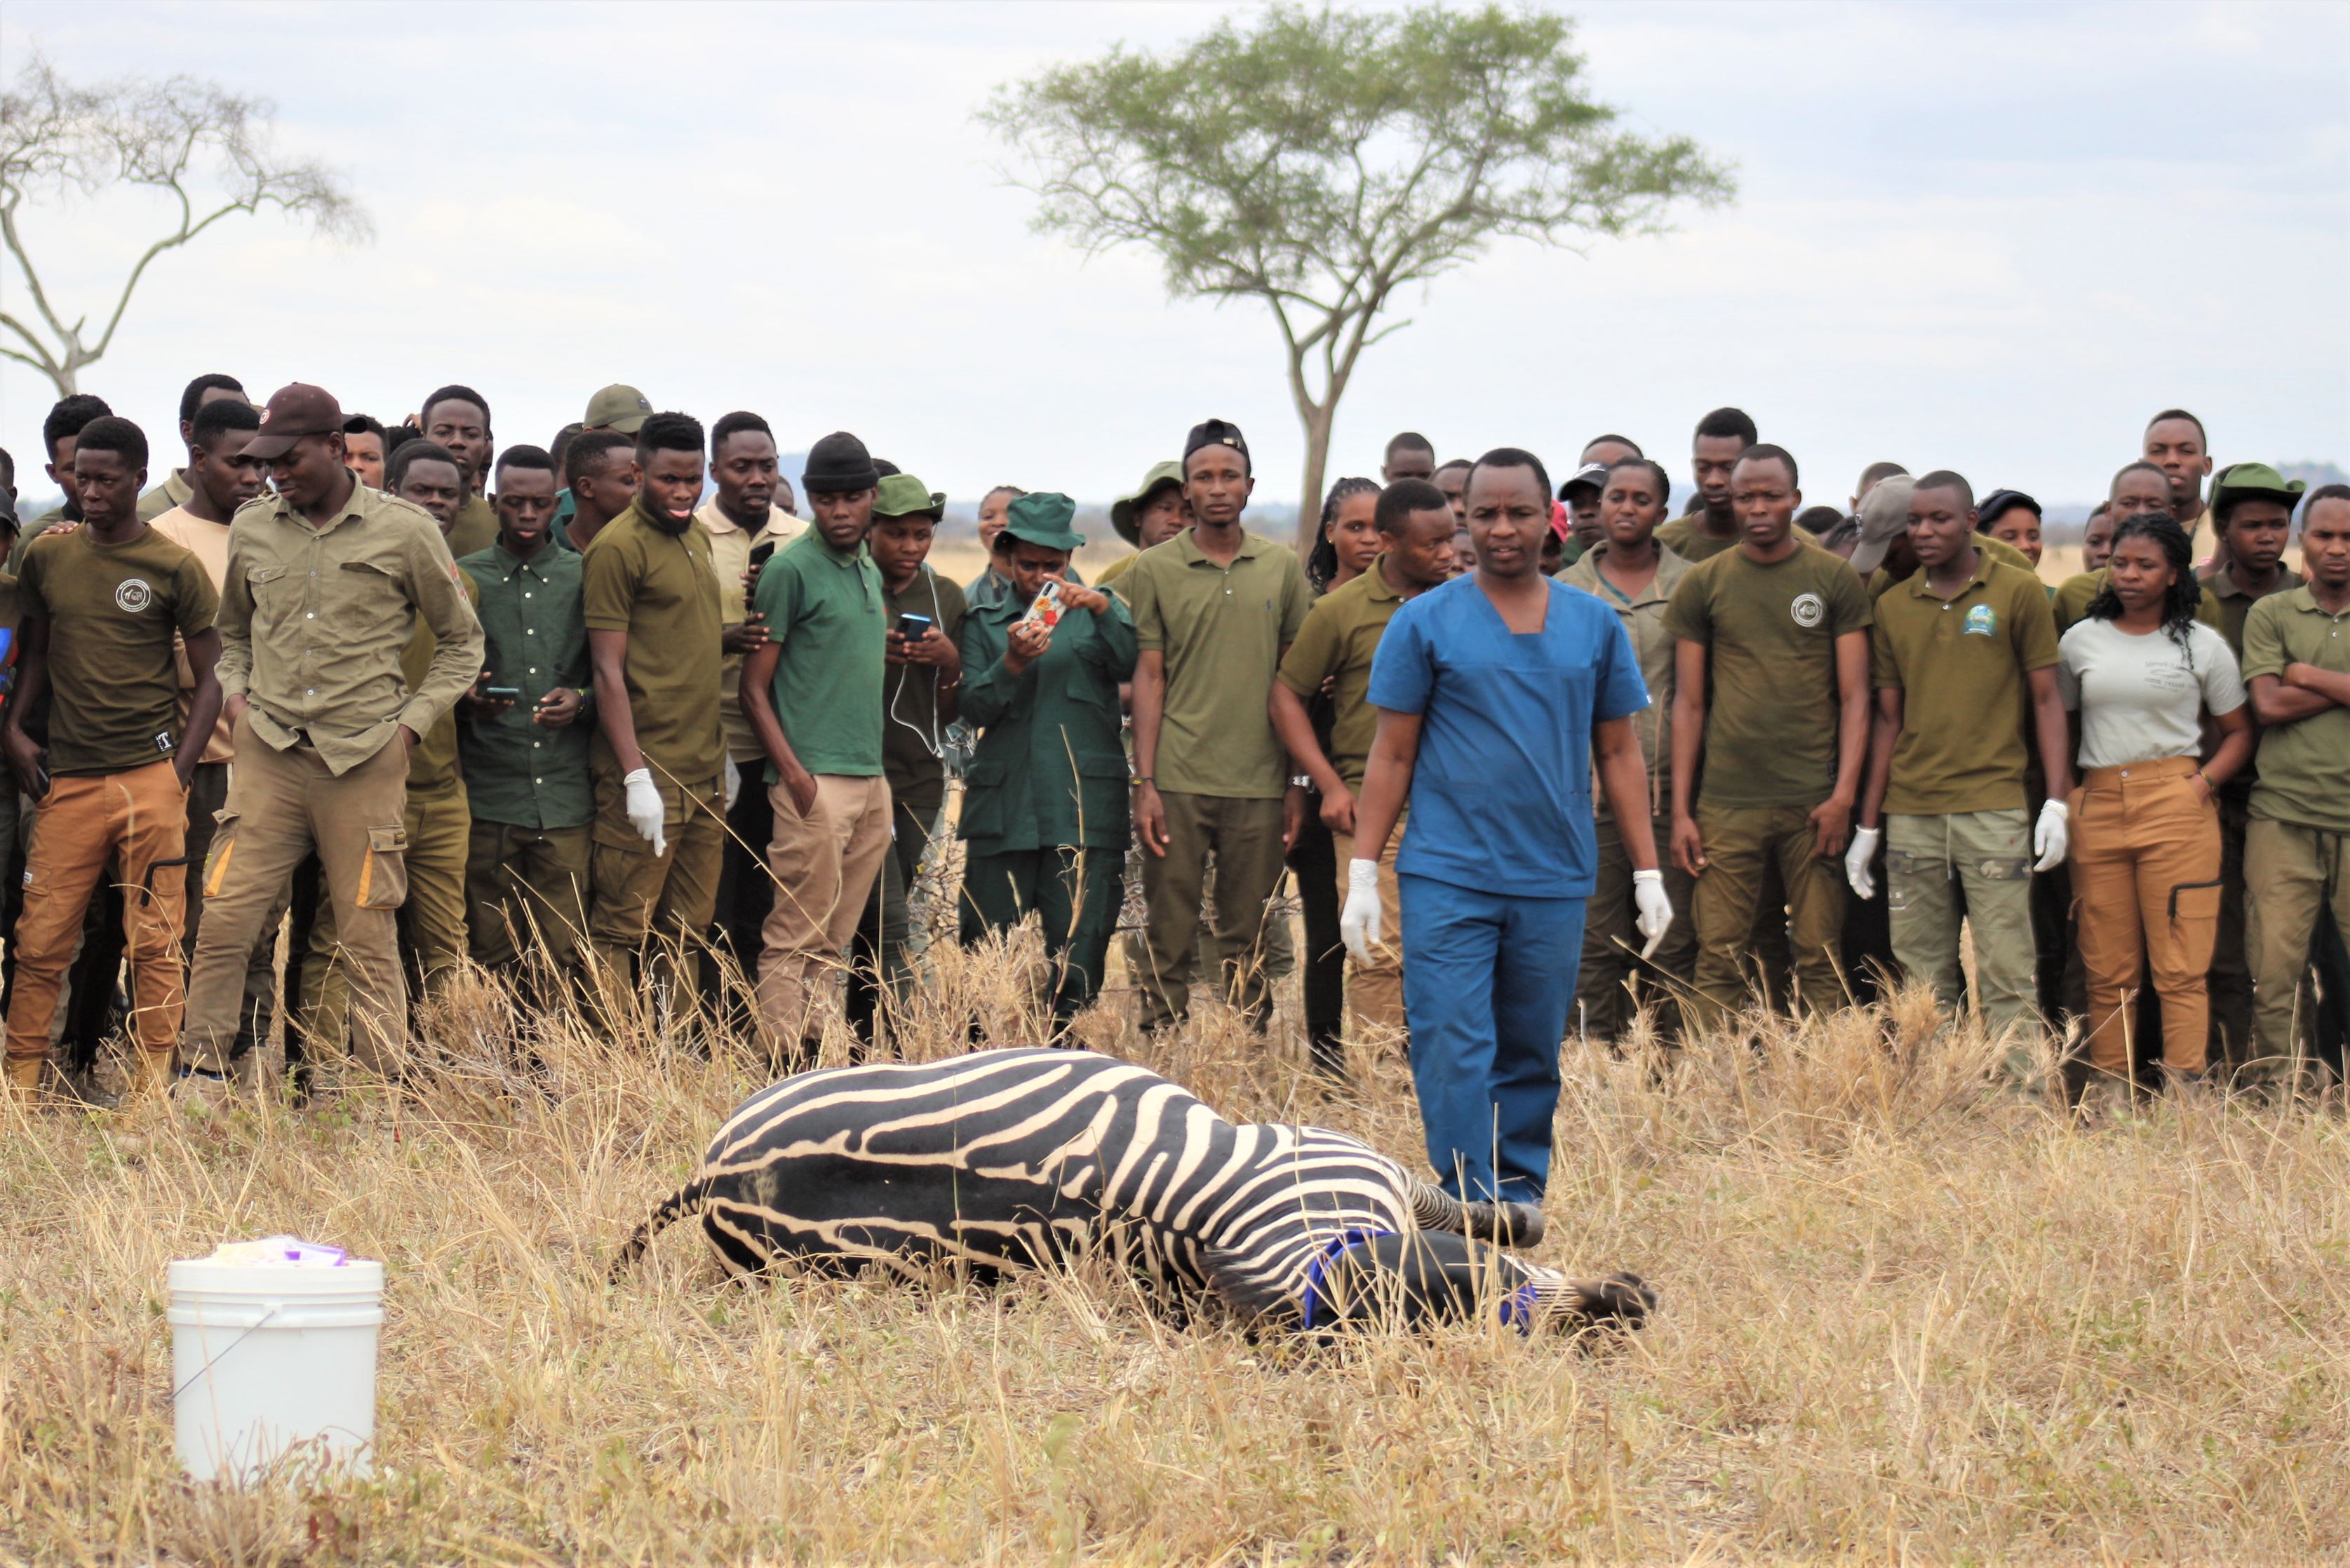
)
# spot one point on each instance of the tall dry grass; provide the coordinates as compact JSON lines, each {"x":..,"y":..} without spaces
{"x":1906,"y":1313}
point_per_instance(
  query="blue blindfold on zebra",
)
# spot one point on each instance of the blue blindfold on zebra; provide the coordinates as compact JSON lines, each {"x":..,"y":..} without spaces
{"x":1028,"y":1159}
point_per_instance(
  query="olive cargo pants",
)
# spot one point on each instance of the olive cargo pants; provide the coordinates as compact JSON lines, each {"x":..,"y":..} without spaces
{"x":1605,"y":1000}
{"x":2146,"y":869}
{"x":431,"y":919}
{"x":1244,"y":836}
{"x":1987,"y":856}
{"x":1740,"y":844}
{"x":2294,"y":873}
{"x":644,"y":905}
{"x":1075,"y":894}
{"x":1375,"y":990}
{"x":525,"y":891}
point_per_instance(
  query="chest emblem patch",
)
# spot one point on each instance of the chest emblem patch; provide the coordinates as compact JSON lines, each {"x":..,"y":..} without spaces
{"x":1807,"y":609}
{"x":132,"y":595}
{"x":1981,"y":622}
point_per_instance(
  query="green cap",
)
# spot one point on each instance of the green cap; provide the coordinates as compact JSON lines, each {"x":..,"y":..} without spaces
{"x":617,"y":408}
{"x":903,"y":495}
{"x":2255,"y":481}
{"x":1122,"y":511}
{"x":1043,"y":520}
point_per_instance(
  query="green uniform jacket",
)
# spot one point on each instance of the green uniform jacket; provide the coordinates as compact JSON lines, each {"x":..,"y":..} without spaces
{"x":1050,"y":768}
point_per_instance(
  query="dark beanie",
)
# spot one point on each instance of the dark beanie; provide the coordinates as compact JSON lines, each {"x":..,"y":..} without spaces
{"x":1217,"y":432}
{"x":838,"y":463}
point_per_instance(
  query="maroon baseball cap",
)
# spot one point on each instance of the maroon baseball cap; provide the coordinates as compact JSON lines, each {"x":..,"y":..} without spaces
{"x":295,"y":411}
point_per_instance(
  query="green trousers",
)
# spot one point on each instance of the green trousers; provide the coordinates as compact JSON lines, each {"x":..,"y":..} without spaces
{"x":1075,"y":894}
{"x":2230,"y":982}
{"x":526,"y":891}
{"x":1741,"y":844}
{"x":1615,"y":983}
{"x":2292,"y":872}
{"x":1983,"y":858}
{"x":1244,"y":838}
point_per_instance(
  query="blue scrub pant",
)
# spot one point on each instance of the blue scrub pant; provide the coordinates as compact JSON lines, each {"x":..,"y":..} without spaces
{"x":1488,"y":981}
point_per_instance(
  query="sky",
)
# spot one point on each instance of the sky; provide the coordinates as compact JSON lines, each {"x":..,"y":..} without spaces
{"x":1993,"y":237}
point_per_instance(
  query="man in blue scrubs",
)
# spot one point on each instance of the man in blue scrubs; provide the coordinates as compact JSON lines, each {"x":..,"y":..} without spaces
{"x":1497,"y":693}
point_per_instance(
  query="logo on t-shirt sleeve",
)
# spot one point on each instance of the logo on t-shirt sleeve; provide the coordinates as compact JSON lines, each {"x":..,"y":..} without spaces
{"x":1807,"y":609}
{"x":1981,"y":622}
{"x":132,"y":595}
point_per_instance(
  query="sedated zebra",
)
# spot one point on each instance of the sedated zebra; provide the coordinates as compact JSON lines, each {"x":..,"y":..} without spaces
{"x":1027,"y":1158}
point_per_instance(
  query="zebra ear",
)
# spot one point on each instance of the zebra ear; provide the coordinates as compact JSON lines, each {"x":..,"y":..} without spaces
{"x":1249,"y":1295}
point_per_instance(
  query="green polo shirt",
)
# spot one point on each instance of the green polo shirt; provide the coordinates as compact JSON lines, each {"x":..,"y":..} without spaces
{"x":637,"y":577}
{"x":2304,"y":765}
{"x":825,"y":613}
{"x":1684,"y":538}
{"x":534,"y":631}
{"x":2236,"y":603}
{"x":1341,"y":635}
{"x":1882,"y":582}
{"x":1959,"y":665}
{"x":1221,"y":629}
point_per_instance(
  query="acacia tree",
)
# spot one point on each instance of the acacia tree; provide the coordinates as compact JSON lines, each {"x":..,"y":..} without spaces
{"x":1322,"y":160}
{"x":207,"y":147}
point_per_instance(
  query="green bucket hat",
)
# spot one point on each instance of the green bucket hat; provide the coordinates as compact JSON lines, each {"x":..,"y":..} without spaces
{"x":2256,"y":481}
{"x":1122,"y":512}
{"x":1043,"y":520}
{"x":903,"y":495}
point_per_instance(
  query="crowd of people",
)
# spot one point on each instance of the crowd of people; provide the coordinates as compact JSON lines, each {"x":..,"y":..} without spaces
{"x":608,"y":720}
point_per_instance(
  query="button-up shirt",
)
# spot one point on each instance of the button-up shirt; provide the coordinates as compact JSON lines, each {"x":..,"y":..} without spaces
{"x":1655,"y":647}
{"x":517,"y":772}
{"x":730,"y":557}
{"x":1050,"y":770}
{"x":313,"y":621}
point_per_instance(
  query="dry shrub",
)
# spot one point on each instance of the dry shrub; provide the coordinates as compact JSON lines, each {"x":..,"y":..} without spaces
{"x":1907,"y":1313}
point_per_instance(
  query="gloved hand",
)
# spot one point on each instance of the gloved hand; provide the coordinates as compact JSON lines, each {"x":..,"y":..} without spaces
{"x":646,"y":813}
{"x":1655,"y":910}
{"x":1359,"y":922}
{"x":732,"y":777}
{"x":2052,"y":836}
{"x":1859,"y":875}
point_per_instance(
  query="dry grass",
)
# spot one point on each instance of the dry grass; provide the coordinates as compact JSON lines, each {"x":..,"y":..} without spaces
{"x":1905,"y":1315}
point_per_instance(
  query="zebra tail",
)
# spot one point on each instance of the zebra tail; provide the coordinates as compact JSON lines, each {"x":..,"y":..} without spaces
{"x":687,"y":1200}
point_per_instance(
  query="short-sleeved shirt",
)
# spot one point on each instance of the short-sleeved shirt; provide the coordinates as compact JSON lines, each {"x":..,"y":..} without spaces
{"x":2304,"y":764}
{"x":2142,"y":697}
{"x":1959,"y":665}
{"x":1221,"y":629}
{"x":113,"y":610}
{"x":475,"y":528}
{"x":2074,"y":594}
{"x":1341,"y":634}
{"x":1654,"y":645}
{"x":730,"y":557}
{"x":913,"y":742}
{"x":1882,"y":581}
{"x":1770,"y":633}
{"x":534,"y":631}
{"x":2236,"y":603}
{"x":1693,"y":543}
{"x":824,"y":612}
{"x":1501,"y":796}
{"x":209,"y":543}
{"x":656,"y":586}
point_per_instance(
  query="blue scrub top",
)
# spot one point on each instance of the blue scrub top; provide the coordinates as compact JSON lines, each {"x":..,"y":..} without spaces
{"x":1501,"y":798}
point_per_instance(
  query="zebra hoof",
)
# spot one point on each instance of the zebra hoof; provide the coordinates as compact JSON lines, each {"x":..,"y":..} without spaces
{"x":1505,"y":1224}
{"x":1619,"y":1301}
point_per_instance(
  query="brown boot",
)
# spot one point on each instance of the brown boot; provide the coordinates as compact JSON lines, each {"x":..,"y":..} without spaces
{"x":149,"y":1073}
{"x":25,"y":1075}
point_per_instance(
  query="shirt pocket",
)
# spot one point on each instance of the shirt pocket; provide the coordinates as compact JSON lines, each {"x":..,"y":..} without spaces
{"x":371,"y":600}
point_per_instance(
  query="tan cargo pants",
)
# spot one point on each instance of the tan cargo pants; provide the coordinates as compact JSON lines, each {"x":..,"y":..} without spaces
{"x":823,"y":864}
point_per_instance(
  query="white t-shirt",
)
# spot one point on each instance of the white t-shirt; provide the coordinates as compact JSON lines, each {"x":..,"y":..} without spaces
{"x":2142,"y":699}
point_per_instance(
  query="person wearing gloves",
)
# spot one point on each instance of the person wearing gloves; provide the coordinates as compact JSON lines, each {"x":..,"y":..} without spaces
{"x":1963,"y":657}
{"x":2144,"y":674}
{"x":1495,"y":691}
{"x":1044,"y":812}
{"x":652,"y":603}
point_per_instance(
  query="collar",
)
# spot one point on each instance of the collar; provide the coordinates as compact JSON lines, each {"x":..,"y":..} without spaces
{"x":645,"y":520}
{"x":2304,"y":598}
{"x":509,"y":565}
{"x":2223,"y":582}
{"x":817,"y":542}
{"x":1920,"y":590}
{"x":1379,"y":592}
{"x":714,"y":517}
{"x":355,"y":510}
{"x":1187,"y":544}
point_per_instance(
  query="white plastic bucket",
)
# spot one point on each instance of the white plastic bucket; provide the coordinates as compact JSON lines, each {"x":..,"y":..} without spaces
{"x":266,"y":1360}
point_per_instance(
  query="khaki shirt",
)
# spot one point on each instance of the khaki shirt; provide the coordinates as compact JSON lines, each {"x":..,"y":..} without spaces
{"x":432,"y":767}
{"x":313,"y":622}
{"x":1655,"y":647}
{"x":208,"y":542}
{"x":2236,"y":603}
{"x":1959,"y":664}
{"x":729,"y":558}
{"x":169,"y":495}
{"x":1336,"y":644}
{"x":2304,"y":764}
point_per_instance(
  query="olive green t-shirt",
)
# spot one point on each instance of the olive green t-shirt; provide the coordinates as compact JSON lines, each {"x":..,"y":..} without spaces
{"x":637,"y":577}
{"x":114,"y":682}
{"x":1221,"y":629}
{"x":2304,"y":765}
{"x":1336,"y":643}
{"x":1684,"y":538}
{"x":2074,"y":596}
{"x":911,"y":741}
{"x":1881,"y":581}
{"x":823,"y":610}
{"x":473,"y":529}
{"x":1770,"y":632}
{"x":1959,"y":664}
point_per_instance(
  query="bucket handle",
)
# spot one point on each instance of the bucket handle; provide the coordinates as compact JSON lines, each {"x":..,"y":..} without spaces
{"x":255,"y":1326}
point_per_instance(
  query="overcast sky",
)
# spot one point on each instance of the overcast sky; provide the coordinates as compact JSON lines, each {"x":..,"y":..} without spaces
{"x":1993,"y":237}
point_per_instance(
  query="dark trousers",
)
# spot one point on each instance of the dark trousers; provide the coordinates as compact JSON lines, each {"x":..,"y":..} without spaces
{"x":1315,"y":859}
{"x":745,"y":894}
{"x":1075,"y":894}
{"x":877,"y":954}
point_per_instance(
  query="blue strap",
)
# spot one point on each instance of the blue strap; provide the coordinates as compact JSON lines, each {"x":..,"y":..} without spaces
{"x":1522,"y":1306}
{"x":1350,"y":1237}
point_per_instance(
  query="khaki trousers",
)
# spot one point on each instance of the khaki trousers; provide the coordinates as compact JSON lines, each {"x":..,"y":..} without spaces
{"x":2146,"y":870}
{"x":1375,"y":990}
{"x":1742,"y":844}
{"x":638,"y":898}
{"x":1987,"y":856}
{"x":431,"y":919}
{"x":823,"y":864}
{"x":282,"y":807}
{"x":1244,"y":838}
{"x":84,"y":822}
{"x":525,"y":892}
{"x":2293,"y":873}
{"x":1614,"y":981}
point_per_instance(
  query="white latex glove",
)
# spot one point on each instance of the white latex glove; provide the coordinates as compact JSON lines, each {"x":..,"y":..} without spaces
{"x":1655,"y":910}
{"x":1859,"y":875}
{"x":1359,"y":922}
{"x":731,"y":776}
{"x":645,"y":810}
{"x":2051,"y":836}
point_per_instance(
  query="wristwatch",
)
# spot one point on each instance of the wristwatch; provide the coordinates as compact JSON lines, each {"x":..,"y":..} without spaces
{"x":1301,"y":781}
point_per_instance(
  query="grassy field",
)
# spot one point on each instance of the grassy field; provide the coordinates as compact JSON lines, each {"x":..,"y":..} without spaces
{"x":1906,"y":1315}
